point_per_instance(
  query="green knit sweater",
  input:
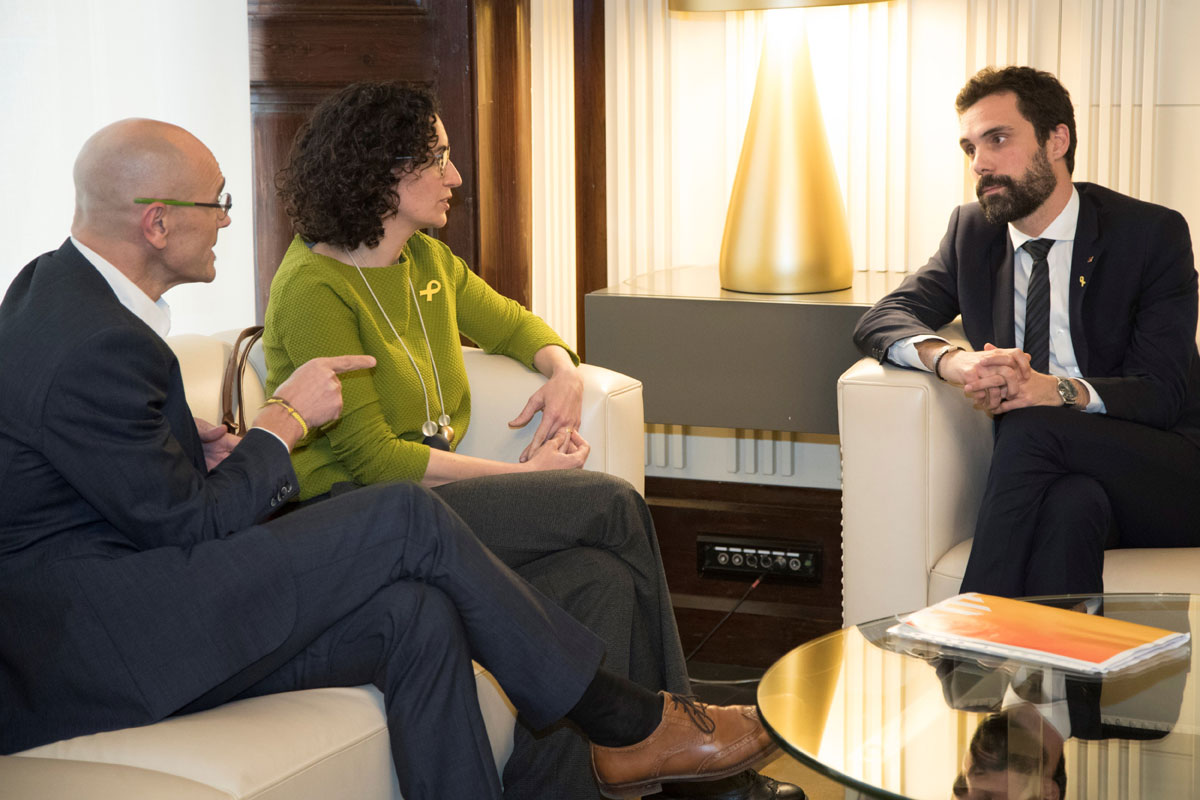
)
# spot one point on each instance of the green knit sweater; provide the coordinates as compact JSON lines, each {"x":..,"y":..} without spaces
{"x":321,"y":307}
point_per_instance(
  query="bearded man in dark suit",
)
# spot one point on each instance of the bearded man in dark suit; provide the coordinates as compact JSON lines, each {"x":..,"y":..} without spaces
{"x":1080,"y":304}
{"x":141,"y":576}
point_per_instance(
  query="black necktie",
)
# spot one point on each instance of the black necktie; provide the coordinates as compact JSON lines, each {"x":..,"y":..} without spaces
{"x":1037,"y":306}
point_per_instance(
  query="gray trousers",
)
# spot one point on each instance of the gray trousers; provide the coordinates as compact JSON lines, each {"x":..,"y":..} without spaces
{"x":586,"y":541}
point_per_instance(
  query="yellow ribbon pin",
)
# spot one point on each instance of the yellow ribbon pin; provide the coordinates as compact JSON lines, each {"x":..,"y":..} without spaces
{"x":431,"y":288}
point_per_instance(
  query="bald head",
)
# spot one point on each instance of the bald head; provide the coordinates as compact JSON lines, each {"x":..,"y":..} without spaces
{"x":156,"y":245}
{"x":128,"y":159}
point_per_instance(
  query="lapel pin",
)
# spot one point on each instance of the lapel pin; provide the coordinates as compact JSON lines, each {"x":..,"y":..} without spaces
{"x":1091,"y":259}
{"x":1082,"y":282}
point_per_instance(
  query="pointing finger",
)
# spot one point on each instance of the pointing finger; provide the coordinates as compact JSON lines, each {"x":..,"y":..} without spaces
{"x":340,"y":364}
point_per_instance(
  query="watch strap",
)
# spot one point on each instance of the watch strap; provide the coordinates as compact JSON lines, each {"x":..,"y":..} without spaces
{"x":937,"y":359}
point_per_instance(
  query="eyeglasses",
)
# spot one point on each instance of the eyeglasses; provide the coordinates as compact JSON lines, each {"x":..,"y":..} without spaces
{"x":440,"y":159}
{"x":223,"y":204}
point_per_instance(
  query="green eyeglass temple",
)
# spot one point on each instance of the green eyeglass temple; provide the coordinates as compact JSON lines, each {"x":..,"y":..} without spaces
{"x":224,"y":202}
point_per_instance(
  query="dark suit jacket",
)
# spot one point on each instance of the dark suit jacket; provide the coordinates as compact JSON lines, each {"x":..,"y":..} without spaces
{"x":132,"y":579}
{"x":1132,"y":302}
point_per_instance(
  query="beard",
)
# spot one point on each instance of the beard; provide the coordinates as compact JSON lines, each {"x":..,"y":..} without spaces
{"x":1020,"y":198}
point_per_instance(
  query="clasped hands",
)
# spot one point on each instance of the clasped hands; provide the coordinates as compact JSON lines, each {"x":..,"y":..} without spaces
{"x":999,"y":379}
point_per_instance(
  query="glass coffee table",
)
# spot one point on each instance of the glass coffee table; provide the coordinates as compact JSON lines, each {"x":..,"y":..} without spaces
{"x":892,"y":718}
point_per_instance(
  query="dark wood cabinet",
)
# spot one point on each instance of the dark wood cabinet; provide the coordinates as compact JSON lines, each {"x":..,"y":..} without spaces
{"x":776,"y":616}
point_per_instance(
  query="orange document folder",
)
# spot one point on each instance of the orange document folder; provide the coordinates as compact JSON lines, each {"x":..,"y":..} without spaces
{"x":1044,"y":634}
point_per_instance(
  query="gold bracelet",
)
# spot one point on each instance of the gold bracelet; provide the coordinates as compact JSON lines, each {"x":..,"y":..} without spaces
{"x":279,"y":401}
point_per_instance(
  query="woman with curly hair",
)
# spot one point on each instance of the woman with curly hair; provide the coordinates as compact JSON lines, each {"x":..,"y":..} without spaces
{"x":367,"y":172}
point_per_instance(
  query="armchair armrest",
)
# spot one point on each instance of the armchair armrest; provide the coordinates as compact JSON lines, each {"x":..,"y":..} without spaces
{"x":613,"y":420}
{"x":915,"y":456}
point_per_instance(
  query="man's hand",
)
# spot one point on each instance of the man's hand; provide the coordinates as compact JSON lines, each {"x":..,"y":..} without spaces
{"x":996,"y":376}
{"x":314,"y":391}
{"x":218,"y":442}
{"x":1039,"y":389}
{"x":560,"y":400}
{"x":989,"y":377}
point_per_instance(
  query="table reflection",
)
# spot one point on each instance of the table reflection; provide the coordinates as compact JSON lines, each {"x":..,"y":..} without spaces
{"x":898,"y":719}
{"x":1015,"y":753}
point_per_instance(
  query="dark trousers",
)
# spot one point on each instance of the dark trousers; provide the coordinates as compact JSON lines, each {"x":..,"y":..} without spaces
{"x":393,"y":589}
{"x":1063,"y":485}
{"x":586,"y":540}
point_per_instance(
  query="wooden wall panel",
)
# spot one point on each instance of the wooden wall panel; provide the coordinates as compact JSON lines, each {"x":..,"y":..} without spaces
{"x":503,"y":120}
{"x":330,"y":50}
{"x":303,"y":50}
{"x":591,"y":171}
{"x":274,"y":124}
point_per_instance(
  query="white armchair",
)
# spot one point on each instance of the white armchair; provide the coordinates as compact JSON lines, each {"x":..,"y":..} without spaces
{"x":915,"y":455}
{"x":319,"y":743}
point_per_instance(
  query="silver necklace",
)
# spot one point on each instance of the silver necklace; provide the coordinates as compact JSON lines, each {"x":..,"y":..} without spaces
{"x":430,"y":429}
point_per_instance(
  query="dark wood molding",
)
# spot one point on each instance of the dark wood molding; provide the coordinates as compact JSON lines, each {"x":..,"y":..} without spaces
{"x":777,"y":616}
{"x":591,"y":174}
{"x":504,"y":120}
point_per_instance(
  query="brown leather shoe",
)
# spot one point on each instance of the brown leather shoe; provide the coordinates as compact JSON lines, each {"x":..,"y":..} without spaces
{"x":694,"y":741}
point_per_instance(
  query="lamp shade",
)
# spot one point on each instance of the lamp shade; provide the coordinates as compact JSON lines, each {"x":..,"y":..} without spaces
{"x":785,"y":231}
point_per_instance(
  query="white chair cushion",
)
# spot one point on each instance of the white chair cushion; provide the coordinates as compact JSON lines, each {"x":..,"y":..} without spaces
{"x":1166,"y":569}
{"x":306,"y":745}
{"x":24,"y":778}
{"x":946,"y":575}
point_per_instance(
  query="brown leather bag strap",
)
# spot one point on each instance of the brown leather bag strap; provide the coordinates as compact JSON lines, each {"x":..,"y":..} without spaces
{"x":231,"y":383}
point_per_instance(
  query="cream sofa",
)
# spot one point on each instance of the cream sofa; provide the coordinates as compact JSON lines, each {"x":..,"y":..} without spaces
{"x":915,"y":456}
{"x":320,"y":743}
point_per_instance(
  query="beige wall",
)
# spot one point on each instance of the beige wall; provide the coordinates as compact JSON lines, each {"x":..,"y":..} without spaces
{"x":1177,"y":113}
{"x":69,"y":67}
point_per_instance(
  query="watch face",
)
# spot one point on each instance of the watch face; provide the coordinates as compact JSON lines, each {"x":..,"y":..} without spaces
{"x":1066,"y":391}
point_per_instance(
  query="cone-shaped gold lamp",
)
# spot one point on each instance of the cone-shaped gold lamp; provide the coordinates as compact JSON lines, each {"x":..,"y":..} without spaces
{"x":785,"y":231}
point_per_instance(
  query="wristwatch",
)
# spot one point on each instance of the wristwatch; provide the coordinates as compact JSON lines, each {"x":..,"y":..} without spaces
{"x":1068,"y":392}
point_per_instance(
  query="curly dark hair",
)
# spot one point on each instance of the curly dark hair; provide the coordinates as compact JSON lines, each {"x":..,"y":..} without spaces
{"x":1041,"y":99}
{"x":340,"y":181}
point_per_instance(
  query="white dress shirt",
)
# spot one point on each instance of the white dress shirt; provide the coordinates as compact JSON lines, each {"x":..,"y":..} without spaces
{"x":1053,"y":708}
{"x":155,"y":313}
{"x":1062,"y":350}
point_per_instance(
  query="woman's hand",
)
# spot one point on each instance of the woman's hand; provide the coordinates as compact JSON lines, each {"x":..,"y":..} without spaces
{"x":560,"y":399}
{"x":566,"y":449}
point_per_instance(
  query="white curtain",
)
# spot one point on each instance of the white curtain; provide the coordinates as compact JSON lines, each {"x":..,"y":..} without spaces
{"x":69,"y":67}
